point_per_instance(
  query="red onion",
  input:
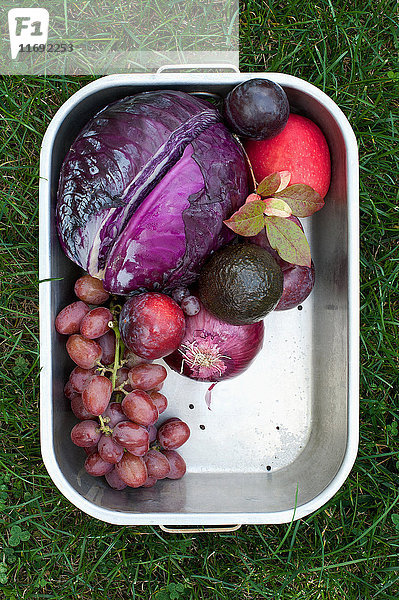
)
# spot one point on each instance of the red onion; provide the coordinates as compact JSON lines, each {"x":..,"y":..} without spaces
{"x":213,"y":350}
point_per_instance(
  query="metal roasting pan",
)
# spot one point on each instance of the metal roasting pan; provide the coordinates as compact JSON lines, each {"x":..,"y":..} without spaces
{"x":280,"y":439}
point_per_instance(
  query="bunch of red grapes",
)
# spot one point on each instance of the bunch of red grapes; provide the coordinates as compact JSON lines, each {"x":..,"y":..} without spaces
{"x":116,"y":399}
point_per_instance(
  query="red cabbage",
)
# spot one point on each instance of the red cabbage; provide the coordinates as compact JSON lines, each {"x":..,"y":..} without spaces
{"x":145,"y":188}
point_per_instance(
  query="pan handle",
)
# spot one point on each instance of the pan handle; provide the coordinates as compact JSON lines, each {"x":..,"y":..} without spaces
{"x":173,"y":67}
{"x":199,"y":528}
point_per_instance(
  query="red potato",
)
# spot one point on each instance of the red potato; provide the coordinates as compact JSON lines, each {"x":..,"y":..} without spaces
{"x":300,"y":148}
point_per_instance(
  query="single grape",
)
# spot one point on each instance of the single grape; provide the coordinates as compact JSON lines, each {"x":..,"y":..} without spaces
{"x":147,"y":376}
{"x":157,"y":464}
{"x":90,"y":449}
{"x":152,"y":431}
{"x":90,"y":290}
{"x":108,"y":345}
{"x":85,"y":433}
{"x":114,"y":480}
{"x":159,"y":400}
{"x":149,"y":482}
{"x":138,"y":407}
{"x":131,"y":436}
{"x":114,"y":413}
{"x":97,"y":394}
{"x":190,"y":306}
{"x":79,"y":378}
{"x":257,"y":109}
{"x":79,"y":409}
{"x":132,"y":470}
{"x":69,"y":390}
{"x":85,"y":353}
{"x":95,"y":323}
{"x":177,"y":464}
{"x":109,"y":450}
{"x":130,"y":359}
{"x":173,"y":434}
{"x":179,"y":293}
{"x":139,"y":450}
{"x":69,"y":318}
{"x":96,"y":466}
{"x":122,"y":378}
{"x":157,"y":388}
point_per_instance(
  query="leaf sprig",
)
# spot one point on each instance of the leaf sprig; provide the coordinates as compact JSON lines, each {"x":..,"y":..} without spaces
{"x":272,"y":206}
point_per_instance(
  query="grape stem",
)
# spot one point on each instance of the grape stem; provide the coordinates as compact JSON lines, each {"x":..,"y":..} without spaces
{"x":115,"y":307}
{"x":119,"y":348}
{"x":104,"y":428}
{"x":121,"y":388}
{"x":101,"y":369}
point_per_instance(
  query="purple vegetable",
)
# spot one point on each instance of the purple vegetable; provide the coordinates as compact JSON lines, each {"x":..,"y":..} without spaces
{"x":213,"y":350}
{"x":298,"y":283}
{"x":145,"y":188}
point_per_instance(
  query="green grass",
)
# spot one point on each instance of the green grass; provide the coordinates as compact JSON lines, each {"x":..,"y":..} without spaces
{"x":350,"y":547}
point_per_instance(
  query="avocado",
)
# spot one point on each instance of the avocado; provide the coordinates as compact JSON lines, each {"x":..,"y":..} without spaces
{"x":240,"y":283}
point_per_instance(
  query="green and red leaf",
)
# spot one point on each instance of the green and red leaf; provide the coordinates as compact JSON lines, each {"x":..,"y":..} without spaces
{"x":275,"y":207}
{"x":253,"y":198}
{"x":288,"y":239}
{"x":248,"y":220}
{"x":273,"y":183}
{"x":303,"y":200}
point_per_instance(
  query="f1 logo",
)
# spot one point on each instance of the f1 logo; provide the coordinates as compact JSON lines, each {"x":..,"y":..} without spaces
{"x":27,"y":26}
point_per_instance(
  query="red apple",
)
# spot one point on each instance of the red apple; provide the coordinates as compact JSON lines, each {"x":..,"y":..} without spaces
{"x":300,"y":148}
